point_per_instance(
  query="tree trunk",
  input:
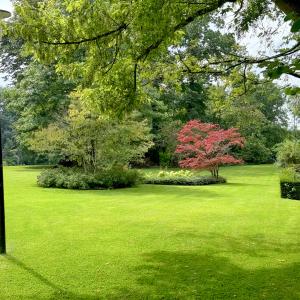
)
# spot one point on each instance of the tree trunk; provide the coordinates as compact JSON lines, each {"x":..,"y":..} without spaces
{"x":215,"y":171}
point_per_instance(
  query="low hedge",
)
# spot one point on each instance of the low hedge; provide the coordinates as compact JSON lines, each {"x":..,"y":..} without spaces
{"x":201,"y":180}
{"x":290,"y":190}
{"x":290,"y":183}
{"x":76,"y":178}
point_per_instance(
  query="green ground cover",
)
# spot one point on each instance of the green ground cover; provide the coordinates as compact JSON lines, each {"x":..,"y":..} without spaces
{"x":230,"y":241}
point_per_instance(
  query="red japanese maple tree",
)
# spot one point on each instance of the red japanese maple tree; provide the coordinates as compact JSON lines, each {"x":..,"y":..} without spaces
{"x":207,"y":146}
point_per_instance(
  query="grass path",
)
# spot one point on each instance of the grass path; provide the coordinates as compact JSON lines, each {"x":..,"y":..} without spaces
{"x":233,"y":241}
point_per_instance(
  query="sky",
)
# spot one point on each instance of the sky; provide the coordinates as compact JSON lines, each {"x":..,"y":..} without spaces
{"x":6,"y":5}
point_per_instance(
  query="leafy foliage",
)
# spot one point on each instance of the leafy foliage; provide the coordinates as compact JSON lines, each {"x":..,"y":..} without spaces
{"x":256,"y":151}
{"x":109,"y":45}
{"x":74,"y":178}
{"x":289,"y":175}
{"x":288,"y":153}
{"x":38,"y":99}
{"x":200,"y":180}
{"x":122,"y":54}
{"x":257,"y":110}
{"x":207,"y":146}
{"x":290,"y":190}
{"x":94,"y":142}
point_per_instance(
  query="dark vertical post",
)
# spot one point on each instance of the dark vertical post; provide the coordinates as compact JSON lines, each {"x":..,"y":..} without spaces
{"x":2,"y":211}
{"x":3,"y":15}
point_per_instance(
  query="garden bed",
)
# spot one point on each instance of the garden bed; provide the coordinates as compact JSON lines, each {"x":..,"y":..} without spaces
{"x":182,"y":178}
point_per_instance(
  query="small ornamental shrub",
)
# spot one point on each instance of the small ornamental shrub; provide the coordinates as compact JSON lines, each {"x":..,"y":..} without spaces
{"x":207,"y":146}
{"x":75,"y":178}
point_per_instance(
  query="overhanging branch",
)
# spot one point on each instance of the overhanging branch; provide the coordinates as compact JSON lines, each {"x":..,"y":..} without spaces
{"x":182,"y":24}
{"x":239,"y":61}
{"x":91,"y":39}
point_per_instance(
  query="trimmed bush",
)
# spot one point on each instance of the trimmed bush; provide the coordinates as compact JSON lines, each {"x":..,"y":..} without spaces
{"x":75,"y":178}
{"x":290,"y":183}
{"x":203,"y":180}
{"x":290,"y":190}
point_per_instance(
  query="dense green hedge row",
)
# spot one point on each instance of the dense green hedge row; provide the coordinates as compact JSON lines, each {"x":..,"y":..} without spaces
{"x":290,"y":182}
{"x":203,"y":180}
{"x":73,"y":178}
{"x":290,"y":190}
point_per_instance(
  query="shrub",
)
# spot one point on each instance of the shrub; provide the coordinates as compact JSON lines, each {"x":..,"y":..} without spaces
{"x":118,"y":178}
{"x":256,"y":151}
{"x":289,"y":175}
{"x":174,"y":174}
{"x":290,"y":190}
{"x":188,"y":180}
{"x":288,"y":153}
{"x":75,"y":178}
{"x":165,"y":159}
{"x":290,"y":183}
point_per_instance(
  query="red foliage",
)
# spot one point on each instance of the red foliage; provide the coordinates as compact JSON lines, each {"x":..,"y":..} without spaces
{"x":207,"y":146}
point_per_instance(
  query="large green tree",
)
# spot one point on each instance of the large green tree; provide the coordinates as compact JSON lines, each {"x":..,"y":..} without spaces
{"x":94,"y":142}
{"x":110,"y":44}
{"x":38,"y":98}
{"x":257,"y":110}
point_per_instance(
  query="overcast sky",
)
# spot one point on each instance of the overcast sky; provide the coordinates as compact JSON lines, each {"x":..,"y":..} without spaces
{"x":6,"y":4}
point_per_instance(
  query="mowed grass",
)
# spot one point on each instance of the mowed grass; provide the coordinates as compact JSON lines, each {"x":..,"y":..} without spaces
{"x":233,"y":241}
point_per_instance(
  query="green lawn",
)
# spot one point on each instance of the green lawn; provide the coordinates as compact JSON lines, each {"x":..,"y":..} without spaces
{"x":232,"y":241}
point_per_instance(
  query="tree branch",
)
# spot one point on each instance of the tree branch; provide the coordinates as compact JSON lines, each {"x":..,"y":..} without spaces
{"x":293,"y":74}
{"x":233,"y":63}
{"x":181,"y":25}
{"x":91,"y":39}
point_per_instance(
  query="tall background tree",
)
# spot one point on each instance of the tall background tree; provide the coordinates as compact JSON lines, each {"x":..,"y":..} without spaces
{"x":171,"y":64}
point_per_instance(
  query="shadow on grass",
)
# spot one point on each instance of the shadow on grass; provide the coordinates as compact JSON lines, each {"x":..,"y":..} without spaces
{"x":253,"y":246}
{"x":58,"y":292}
{"x":190,"y":275}
{"x":241,"y":184}
{"x":145,"y":191}
{"x":202,"y":274}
